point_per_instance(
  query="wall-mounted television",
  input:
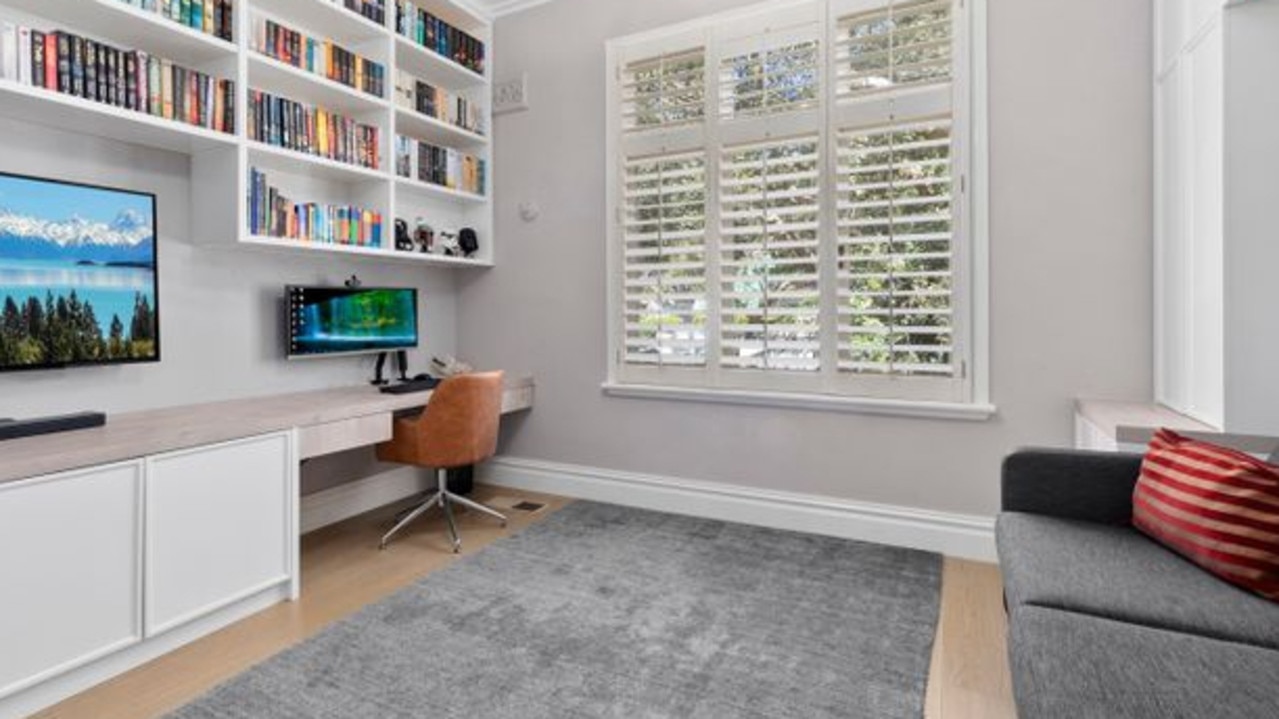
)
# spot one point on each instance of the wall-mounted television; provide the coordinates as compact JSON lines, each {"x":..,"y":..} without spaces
{"x":79,"y":280}
{"x":328,"y":321}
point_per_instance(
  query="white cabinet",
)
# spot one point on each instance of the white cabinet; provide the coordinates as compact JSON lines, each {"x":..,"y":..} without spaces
{"x":220,"y":527}
{"x":1216,"y":107}
{"x":70,"y":571}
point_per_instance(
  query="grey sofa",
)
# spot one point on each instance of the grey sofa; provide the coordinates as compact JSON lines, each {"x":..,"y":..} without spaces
{"x":1104,"y":622}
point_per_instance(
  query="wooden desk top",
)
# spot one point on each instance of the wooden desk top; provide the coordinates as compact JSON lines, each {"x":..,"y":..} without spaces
{"x":139,"y":434}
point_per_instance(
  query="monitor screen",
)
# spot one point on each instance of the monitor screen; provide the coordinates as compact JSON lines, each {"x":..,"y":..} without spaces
{"x":326,"y":321}
{"x":78,"y":279}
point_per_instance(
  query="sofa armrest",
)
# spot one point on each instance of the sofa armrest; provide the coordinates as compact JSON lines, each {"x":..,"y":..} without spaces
{"x":1071,"y":484}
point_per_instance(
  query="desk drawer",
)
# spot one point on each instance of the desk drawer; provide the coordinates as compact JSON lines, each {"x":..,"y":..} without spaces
{"x":321,"y":439}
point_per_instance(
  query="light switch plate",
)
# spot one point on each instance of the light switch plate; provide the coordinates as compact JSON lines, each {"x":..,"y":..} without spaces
{"x":511,"y":95}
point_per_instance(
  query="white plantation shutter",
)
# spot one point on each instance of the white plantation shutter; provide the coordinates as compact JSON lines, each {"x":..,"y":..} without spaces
{"x":664,"y":260}
{"x":895,"y":228}
{"x":901,"y":44}
{"x":790,"y":204}
{"x":769,"y":255}
{"x":781,"y":75}
{"x":664,"y":91}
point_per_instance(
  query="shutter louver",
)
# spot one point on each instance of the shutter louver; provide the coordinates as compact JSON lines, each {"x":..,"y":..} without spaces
{"x":769,"y":256}
{"x":901,"y":45}
{"x":770,"y":80}
{"x":664,"y":260}
{"x":664,"y":92}
{"x":895,"y":226}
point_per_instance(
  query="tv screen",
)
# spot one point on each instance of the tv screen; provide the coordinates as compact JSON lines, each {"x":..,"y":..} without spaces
{"x":325,"y":321}
{"x":78,"y":275}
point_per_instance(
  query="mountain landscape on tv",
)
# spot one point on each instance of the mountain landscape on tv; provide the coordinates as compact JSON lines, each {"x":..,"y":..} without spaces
{"x":126,"y":240}
{"x":77,"y":274}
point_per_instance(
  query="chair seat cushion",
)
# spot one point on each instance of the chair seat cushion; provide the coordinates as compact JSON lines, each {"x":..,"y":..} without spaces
{"x":1118,"y":573}
{"x":1074,"y":666}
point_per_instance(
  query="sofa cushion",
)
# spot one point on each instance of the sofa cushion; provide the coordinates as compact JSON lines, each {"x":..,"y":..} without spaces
{"x":1074,"y":666}
{"x":1216,"y":507}
{"x":1118,"y":573}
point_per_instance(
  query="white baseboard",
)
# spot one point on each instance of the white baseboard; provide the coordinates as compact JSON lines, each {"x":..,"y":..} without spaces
{"x":344,"y":501}
{"x":957,"y":535}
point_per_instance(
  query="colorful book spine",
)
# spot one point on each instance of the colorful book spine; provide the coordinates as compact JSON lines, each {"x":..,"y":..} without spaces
{"x":272,"y":214}
{"x":319,"y":56}
{"x":442,"y":166}
{"x":312,"y":130}
{"x":439,"y":37}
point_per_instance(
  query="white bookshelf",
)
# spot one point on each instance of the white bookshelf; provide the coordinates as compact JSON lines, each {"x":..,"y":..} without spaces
{"x":220,"y":162}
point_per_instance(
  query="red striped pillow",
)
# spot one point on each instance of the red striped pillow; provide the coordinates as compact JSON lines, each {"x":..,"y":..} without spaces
{"x":1217,"y":507}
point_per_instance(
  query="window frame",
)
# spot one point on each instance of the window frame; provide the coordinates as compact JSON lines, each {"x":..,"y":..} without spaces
{"x":967,"y":395}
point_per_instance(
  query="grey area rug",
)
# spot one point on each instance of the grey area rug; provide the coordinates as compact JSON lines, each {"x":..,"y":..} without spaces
{"x":606,"y":611}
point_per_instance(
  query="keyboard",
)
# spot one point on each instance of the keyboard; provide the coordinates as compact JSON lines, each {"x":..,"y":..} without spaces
{"x":417,"y":385}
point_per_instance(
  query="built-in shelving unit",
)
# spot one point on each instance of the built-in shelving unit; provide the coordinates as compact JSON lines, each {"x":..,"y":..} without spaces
{"x":221,"y":162}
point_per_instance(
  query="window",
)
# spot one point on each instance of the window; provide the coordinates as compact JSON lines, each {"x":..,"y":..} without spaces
{"x":789,"y":189}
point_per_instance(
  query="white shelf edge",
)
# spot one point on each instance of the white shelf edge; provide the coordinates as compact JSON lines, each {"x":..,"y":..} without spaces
{"x":355,"y":171}
{"x":116,"y":113}
{"x":447,"y":128}
{"x":359,"y":97}
{"x":380,"y":253}
{"x":441,"y":191}
{"x":213,"y":42}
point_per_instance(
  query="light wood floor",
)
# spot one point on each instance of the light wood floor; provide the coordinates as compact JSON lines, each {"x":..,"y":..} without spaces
{"x":342,"y":571}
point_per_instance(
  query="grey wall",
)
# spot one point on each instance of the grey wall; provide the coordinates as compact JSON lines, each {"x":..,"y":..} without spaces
{"x":1071,"y":254}
{"x":221,"y":323}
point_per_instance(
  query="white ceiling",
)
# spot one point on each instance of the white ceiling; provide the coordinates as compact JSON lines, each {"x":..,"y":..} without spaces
{"x":497,"y":8}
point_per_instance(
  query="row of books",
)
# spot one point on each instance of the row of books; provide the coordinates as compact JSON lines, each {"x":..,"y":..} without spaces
{"x":272,"y":214}
{"x":214,"y":17}
{"x":312,"y":130}
{"x":374,"y":10}
{"x":130,"y":79}
{"x":438,"y":36}
{"x":441,"y":166}
{"x":436,"y":102}
{"x":320,"y":56}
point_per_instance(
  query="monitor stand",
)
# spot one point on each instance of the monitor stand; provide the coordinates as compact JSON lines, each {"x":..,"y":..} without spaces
{"x":401,"y":363}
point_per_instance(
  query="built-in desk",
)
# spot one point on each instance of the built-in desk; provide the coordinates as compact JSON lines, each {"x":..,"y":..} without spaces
{"x":321,"y":416}
{"x":121,"y":543}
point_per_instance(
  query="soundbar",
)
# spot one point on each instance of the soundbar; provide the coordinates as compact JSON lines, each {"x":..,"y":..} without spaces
{"x":19,"y":428}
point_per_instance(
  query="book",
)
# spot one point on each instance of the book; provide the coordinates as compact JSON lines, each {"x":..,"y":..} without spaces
{"x":24,"y":55}
{"x":38,"y":71}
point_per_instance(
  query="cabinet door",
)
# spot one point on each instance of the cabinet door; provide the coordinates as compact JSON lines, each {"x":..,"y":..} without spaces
{"x":220,"y":527}
{"x":70,"y":571}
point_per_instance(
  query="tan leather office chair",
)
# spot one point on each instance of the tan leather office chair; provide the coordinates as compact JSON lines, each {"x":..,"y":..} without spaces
{"x":458,"y":428}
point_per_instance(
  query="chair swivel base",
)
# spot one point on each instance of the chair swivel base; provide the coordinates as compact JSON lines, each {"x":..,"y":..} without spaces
{"x":445,"y":499}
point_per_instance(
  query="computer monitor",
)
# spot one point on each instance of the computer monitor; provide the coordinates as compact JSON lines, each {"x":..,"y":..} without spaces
{"x":336,"y":321}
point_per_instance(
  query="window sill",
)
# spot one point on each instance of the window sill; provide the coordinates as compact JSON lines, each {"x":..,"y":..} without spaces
{"x":820,"y":402}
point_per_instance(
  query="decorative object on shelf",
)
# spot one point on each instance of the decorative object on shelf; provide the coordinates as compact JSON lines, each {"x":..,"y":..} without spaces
{"x":353,"y":283}
{"x":212,"y":17}
{"x":468,"y":241}
{"x":272,"y":214}
{"x":319,"y":56}
{"x":447,"y":245}
{"x":403,"y":241}
{"x":439,"y":37}
{"x":130,"y":79}
{"x":312,"y":130}
{"x":424,"y":236}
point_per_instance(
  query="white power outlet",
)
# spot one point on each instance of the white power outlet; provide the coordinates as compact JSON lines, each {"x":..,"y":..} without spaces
{"x":511,"y":95}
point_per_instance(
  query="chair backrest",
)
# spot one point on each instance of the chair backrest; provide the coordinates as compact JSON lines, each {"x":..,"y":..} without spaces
{"x":459,"y":425}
